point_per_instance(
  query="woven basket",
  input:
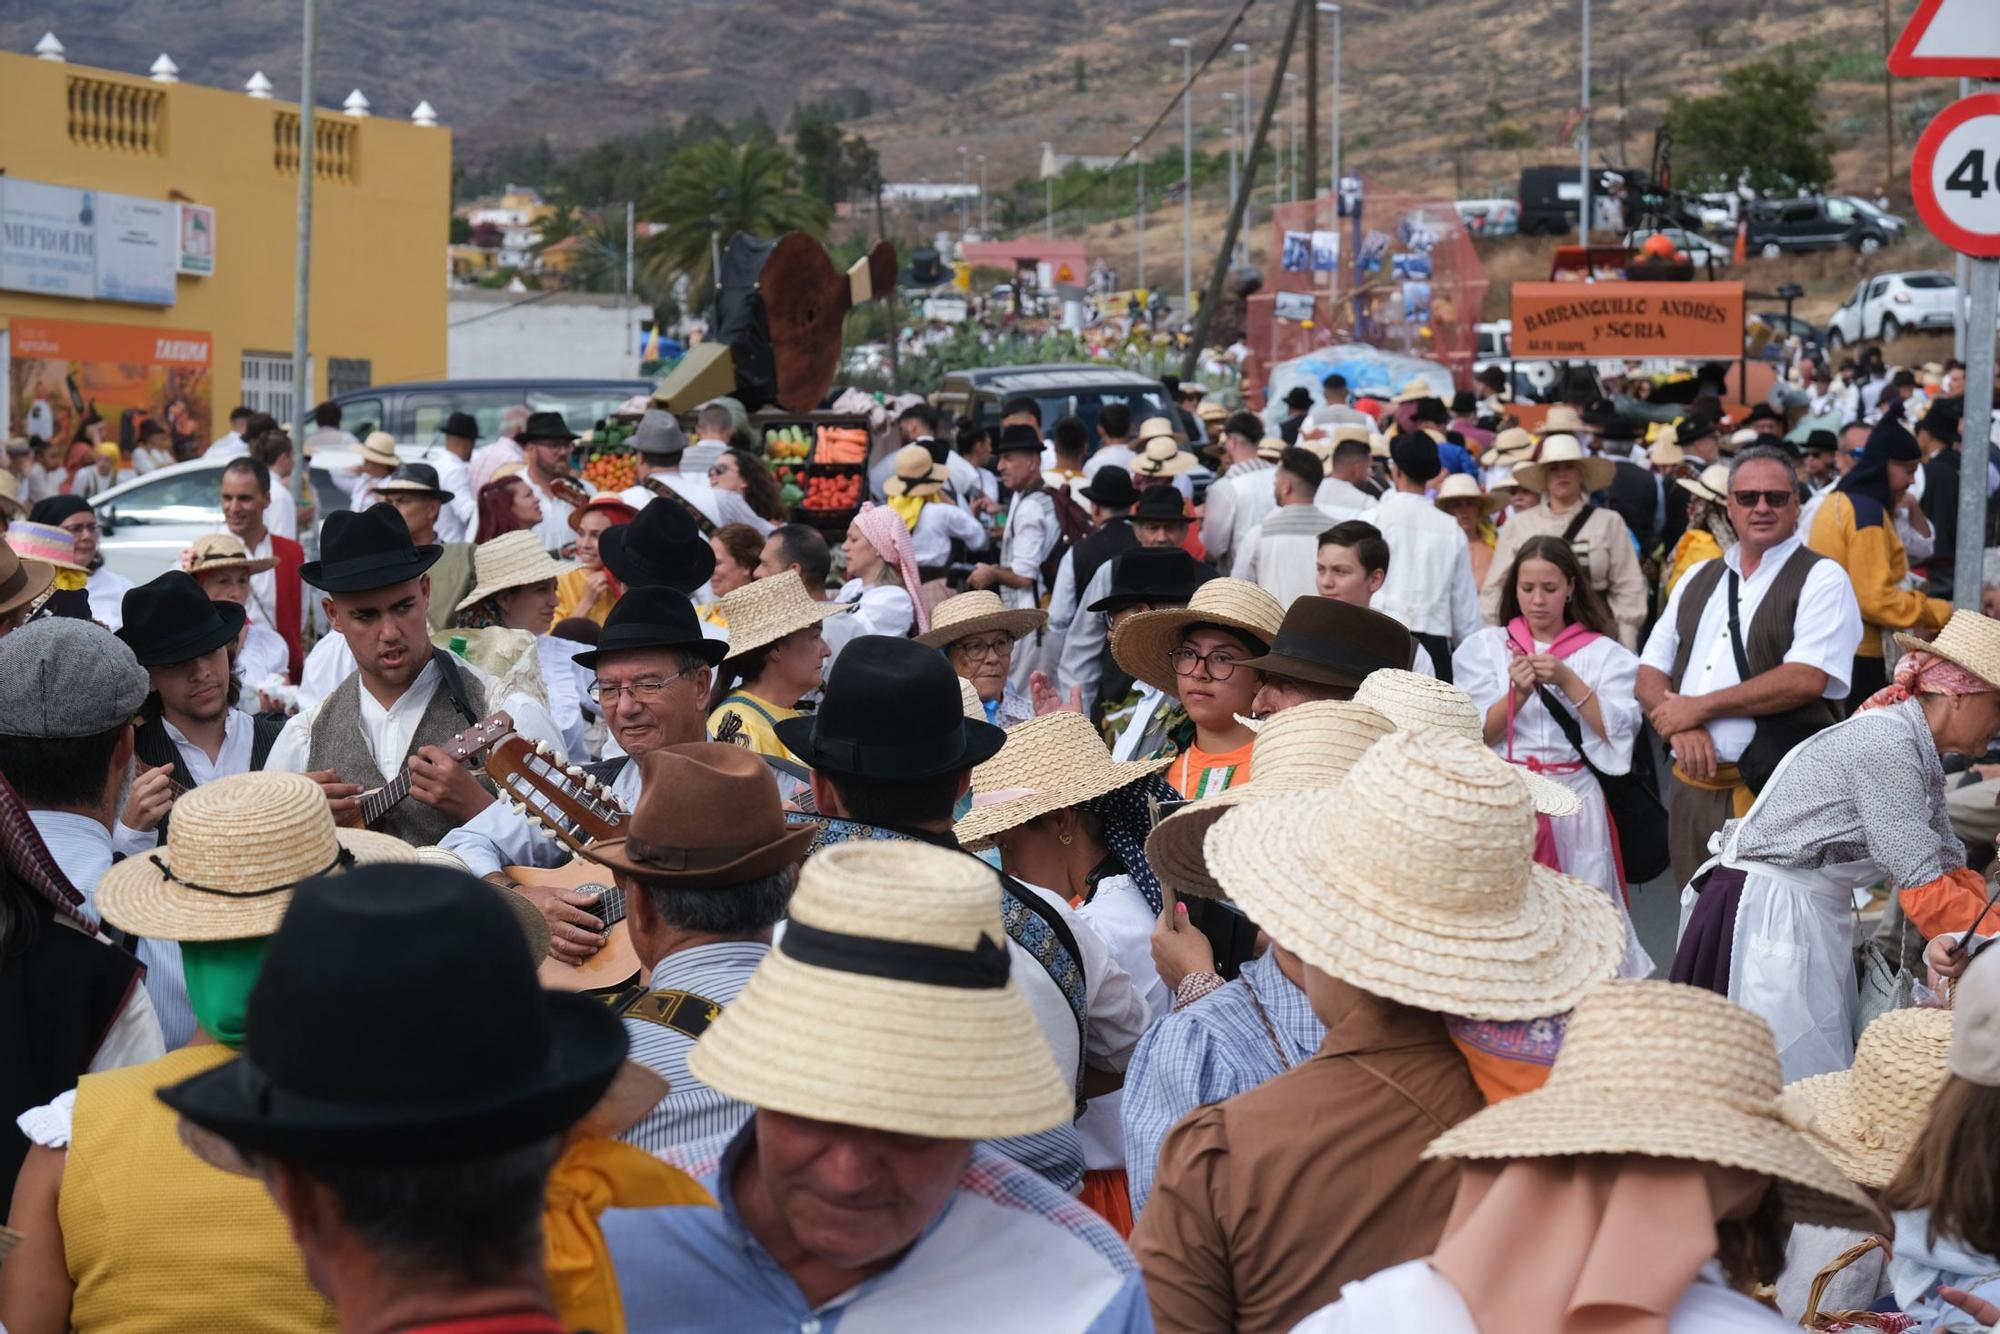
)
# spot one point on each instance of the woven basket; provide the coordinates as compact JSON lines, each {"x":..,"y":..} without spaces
{"x":1816,"y":1319}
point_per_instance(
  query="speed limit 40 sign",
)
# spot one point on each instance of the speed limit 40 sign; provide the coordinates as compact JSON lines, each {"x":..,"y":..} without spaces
{"x":1955,"y":175}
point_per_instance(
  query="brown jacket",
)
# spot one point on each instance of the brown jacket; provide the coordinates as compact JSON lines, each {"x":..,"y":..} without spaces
{"x":1265,"y":1204}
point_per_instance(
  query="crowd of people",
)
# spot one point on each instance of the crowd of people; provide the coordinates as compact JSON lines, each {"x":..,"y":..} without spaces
{"x":1171,"y":871}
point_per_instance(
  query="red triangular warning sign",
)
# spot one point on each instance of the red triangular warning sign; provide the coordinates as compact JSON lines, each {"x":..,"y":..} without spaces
{"x":1959,"y":38}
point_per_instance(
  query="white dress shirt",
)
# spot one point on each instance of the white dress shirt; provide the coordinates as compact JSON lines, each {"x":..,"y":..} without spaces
{"x":1081,"y":664}
{"x":1119,"y":913}
{"x":938,"y":523}
{"x":1825,"y":633}
{"x":263,"y":654}
{"x":1235,"y":503}
{"x":1108,"y":455}
{"x":230,"y":446}
{"x":458,"y":518}
{"x":1429,"y":587}
{"x":501,"y":836}
{"x":281,"y":511}
{"x":1280,"y":553}
{"x":107,"y":597}
{"x":1344,"y":501}
{"x":553,"y":530}
{"x":883,"y":609}
{"x":718,"y":507}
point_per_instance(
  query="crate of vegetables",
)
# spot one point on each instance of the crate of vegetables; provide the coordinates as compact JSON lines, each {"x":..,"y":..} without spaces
{"x":821,"y":463}
{"x":606,"y":457}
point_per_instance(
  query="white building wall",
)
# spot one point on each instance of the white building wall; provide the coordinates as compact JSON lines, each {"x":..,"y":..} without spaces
{"x":504,"y":334}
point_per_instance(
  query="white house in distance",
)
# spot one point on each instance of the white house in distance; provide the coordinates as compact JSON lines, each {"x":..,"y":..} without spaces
{"x":1055,"y":164}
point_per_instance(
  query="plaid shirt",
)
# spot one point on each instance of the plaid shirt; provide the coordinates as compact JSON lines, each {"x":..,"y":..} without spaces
{"x":1216,"y":1048}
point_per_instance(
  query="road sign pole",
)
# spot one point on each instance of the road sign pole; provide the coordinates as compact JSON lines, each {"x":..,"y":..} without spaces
{"x":1978,"y":431}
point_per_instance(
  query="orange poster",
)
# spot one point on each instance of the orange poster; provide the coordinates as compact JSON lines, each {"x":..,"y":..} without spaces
{"x":63,"y":370}
{"x":1626,"y":319}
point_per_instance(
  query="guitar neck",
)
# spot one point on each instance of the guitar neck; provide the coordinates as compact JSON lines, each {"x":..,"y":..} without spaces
{"x":385,"y":798}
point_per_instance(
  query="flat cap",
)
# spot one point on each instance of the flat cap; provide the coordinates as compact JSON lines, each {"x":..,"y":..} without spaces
{"x":65,"y":677}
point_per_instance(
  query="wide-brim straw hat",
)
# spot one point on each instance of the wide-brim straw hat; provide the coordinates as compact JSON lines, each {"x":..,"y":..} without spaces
{"x":45,"y":542}
{"x":1867,"y":1118}
{"x":1271,"y":448}
{"x":1665,"y":453}
{"x":1562,"y":419}
{"x":1144,"y":644}
{"x":1301,"y":749}
{"x":764,"y":611}
{"x":969,"y":702}
{"x":234,"y":849}
{"x":966,"y":614}
{"x":1049,"y":764}
{"x":916,"y":473}
{"x":1712,"y":485}
{"x":1597,"y":472}
{"x":827,"y":1030}
{"x":1161,"y":456}
{"x":1463,"y":486}
{"x":1417,"y":703}
{"x":224,"y":551}
{"x":1159,"y":428}
{"x":512,"y":560}
{"x":1968,"y":639}
{"x":1662,"y":1070}
{"x":1512,"y":445}
{"x":380,"y":447}
{"x":1415,"y":880}
{"x":1416,"y":389}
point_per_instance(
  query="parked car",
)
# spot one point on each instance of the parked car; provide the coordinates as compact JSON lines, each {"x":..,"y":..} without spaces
{"x":1696,"y":246}
{"x":1889,"y":222}
{"x":1062,"y":391}
{"x":1890,"y":304}
{"x":413,"y":412}
{"x":148,"y":521}
{"x":1490,"y":218}
{"x":1794,"y":226}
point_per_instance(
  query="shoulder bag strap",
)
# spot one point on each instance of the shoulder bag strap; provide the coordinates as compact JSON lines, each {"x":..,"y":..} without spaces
{"x":1576,"y":524}
{"x":1407,"y":1096}
{"x":1031,"y":902}
{"x":1736,"y":633}
{"x":454,"y":683}
{"x":665,"y":492}
{"x":1571,"y":729}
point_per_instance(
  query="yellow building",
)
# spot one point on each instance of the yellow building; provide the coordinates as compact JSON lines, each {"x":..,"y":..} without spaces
{"x":111,"y":176}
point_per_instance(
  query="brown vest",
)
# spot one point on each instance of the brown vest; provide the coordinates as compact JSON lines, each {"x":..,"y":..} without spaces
{"x":337,"y":744}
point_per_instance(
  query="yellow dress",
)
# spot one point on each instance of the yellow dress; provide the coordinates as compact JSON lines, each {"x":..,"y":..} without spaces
{"x":757,"y":716}
{"x":155,"y":1238}
{"x":570,"y":589}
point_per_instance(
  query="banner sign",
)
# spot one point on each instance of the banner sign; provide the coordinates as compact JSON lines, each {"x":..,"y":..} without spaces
{"x":1628,"y":319}
{"x":48,"y":239}
{"x":138,"y":249}
{"x":197,"y":250}
{"x":62,"y":369}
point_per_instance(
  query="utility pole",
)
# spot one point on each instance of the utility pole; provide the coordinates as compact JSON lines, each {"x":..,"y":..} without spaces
{"x":1583,"y":137}
{"x":1292,"y":141}
{"x":1213,"y":296}
{"x":1333,"y":183}
{"x":1249,"y":168}
{"x":1141,"y":211}
{"x":1622,"y":159}
{"x":1187,"y":168}
{"x":1888,"y":106}
{"x":1311,"y":162}
{"x":889,"y":298}
{"x":963,"y":221}
{"x":1961,"y":269}
{"x":983,"y":225}
{"x":1049,"y":212}
{"x":1229,"y":102}
{"x":302,"y":278}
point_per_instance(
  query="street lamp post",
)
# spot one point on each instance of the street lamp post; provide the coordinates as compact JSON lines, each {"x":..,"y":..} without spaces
{"x":1249,"y":167}
{"x":1334,"y":130}
{"x":1229,"y":103}
{"x":963,"y":180}
{"x":1292,"y":142}
{"x":1142,"y":211}
{"x":982,"y":195}
{"x":1187,"y":171}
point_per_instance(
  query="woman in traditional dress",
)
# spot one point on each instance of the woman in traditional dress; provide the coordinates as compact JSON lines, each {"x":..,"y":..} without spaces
{"x":881,"y":571}
{"x":590,"y":589}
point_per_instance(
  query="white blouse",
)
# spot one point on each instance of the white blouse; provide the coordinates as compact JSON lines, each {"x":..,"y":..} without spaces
{"x":1479,"y":668}
{"x":885,"y":609}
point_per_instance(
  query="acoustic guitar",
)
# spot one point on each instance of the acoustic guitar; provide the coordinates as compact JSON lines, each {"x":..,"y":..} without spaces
{"x":462,"y":746}
{"x":567,"y":804}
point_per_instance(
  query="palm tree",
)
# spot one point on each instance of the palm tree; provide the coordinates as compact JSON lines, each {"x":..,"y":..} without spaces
{"x":714,"y":189}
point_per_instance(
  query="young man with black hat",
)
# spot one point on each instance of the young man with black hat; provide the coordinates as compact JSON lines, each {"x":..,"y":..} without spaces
{"x":412,"y":1174}
{"x":1635,"y":494}
{"x":662,"y":447}
{"x":449,"y":459}
{"x":1111,"y":497}
{"x":1297,"y":404}
{"x":1159,"y":520}
{"x":405,"y":697}
{"x":892,"y":752}
{"x":1429,"y":585}
{"x":1031,"y":534}
{"x":1822,"y":450}
{"x":1141,"y":721}
{"x":1241,"y":494}
{"x":546,"y":442}
{"x":418,"y":494}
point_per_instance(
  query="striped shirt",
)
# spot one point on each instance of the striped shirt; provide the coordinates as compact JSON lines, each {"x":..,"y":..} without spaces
{"x":1216,"y":1048}
{"x":1199,"y":773}
{"x":691,"y":1110}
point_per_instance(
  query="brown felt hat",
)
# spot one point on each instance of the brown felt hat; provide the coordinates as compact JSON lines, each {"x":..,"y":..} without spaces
{"x":708,"y":815}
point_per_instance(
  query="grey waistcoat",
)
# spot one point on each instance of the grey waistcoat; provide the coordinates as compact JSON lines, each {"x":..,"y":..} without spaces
{"x":337,"y":745}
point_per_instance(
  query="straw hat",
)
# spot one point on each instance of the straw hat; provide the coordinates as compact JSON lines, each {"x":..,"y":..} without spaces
{"x":512,"y":560}
{"x":1160,"y":428}
{"x":1418,"y":703}
{"x":1161,"y":456}
{"x":1562,"y":419}
{"x":231,"y":843}
{"x":1512,"y":445}
{"x":1464,"y":486}
{"x":969,"y":702}
{"x":1663,"y":1070}
{"x":833,"y":1027}
{"x":1597,"y":472}
{"x":1271,"y":448}
{"x":1378,"y":446}
{"x":764,"y":611}
{"x":1743,"y":439}
{"x":1665,"y":453}
{"x":45,"y":542}
{"x":915,"y":474}
{"x":380,"y":447}
{"x":1712,"y":485}
{"x":223,"y":551}
{"x":1144,"y":644}
{"x":10,"y":495}
{"x":1299,"y":749}
{"x":1968,"y":639}
{"x":1051,"y":763}
{"x":966,"y":614}
{"x":1211,"y":412}
{"x":1415,"y":880}
{"x":1414,"y":390}
{"x":1867,"y":1118}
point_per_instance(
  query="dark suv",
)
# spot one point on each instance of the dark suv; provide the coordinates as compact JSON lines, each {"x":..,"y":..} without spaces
{"x":1793,"y":226}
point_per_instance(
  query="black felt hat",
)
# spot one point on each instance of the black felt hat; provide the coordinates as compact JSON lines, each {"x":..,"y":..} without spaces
{"x":653,"y":616}
{"x":1018,"y":439}
{"x":413,"y":479}
{"x":1152,"y":577}
{"x":367,"y":549}
{"x":170,"y":619}
{"x":461,"y":425}
{"x":661,"y":547}
{"x":1334,"y":643}
{"x":432,"y":1054}
{"x":548,"y":426}
{"x":1111,"y":487}
{"x":1160,"y":502}
{"x":891,"y":713}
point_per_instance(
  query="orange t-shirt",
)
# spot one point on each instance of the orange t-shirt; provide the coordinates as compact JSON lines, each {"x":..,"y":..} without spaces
{"x":1199,"y":773}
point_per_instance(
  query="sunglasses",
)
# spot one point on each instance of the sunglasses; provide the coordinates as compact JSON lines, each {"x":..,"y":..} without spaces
{"x":1777,"y":500}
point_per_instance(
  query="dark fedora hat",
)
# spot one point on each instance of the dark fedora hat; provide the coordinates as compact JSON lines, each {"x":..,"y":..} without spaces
{"x":1152,"y":577}
{"x":661,"y":546}
{"x":492,"y":1061}
{"x":462,"y":425}
{"x":413,"y":479}
{"x":1160,"y":502}
{"x":367,"y":549}
{"x":891,"y":713}
{"x":1299,"y":397}
{"x":1111,"y":487}
{"x":1823,"y":442}
{"x":1018,"y":439}
{"x":546,"y":426}
{"x":1335,"y":644}
{"x":708,"y":816}
{"x":652,"y":616}
{"x":170,"y":619}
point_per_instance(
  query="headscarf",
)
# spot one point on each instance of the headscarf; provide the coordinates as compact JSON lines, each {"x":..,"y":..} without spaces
{"x":1921,"y":673}
{"x":1125,"y":817}
{"x":1888,"y":443}
{"x":885,"y":532}
{"x":220,"y":976}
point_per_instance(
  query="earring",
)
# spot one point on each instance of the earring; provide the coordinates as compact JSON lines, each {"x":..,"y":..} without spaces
{"x":1064,"y":839}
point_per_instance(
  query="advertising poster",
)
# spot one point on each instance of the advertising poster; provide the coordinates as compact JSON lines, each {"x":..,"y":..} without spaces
{"x":58,"y":371}
{"x":197,"y":224}
{"x":48,"y":239}
{"x":138,"y":249}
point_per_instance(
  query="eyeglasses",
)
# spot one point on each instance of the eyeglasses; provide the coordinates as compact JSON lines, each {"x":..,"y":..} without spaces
{"x":975,"y":650}
{"x":79,"y":529}
{"x":644,"y":690}
{"x":1218,"y":663}
{"x":1777,"y":500}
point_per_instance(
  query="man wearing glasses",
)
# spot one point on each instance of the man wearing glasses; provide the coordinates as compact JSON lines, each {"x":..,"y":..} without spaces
{"x":1749,"y":657}
{"x":653,"y":668}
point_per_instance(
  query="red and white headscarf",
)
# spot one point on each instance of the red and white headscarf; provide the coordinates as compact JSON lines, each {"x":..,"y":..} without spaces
{"x":890,"y":536}
{"x":1921,"y":673}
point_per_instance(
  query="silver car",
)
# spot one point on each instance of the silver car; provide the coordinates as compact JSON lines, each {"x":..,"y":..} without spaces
{"x":148,"y":521}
